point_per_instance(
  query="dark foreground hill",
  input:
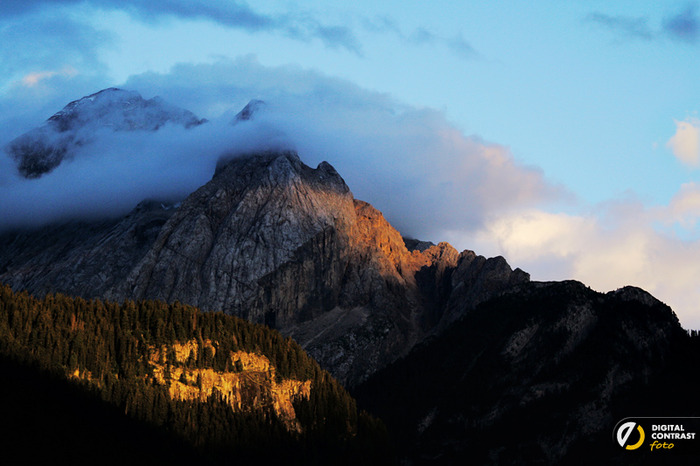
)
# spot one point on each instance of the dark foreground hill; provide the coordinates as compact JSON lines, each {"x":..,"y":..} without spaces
{"x":541,"y":375}
{"x":81,"y":378}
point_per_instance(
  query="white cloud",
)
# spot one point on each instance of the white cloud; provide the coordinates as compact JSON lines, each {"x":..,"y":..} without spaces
{"x":683,"y":209}
{"x":117,"y":170}
{"x":685,"y":144}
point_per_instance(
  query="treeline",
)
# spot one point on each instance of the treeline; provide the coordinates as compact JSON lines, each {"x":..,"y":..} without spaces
{"x":107,"y":347}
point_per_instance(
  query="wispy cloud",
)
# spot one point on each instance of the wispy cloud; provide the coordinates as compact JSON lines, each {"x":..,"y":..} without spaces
{"x":45,"y":58}
{"x":305,"y":27}
{"x":421,"y":36}
{"x":48,"y":42}
{"x":461,"y":47}
{"x":627,"y":26}
{"x":232,"y":14}
{"x":35,"y":78}
{"x":684,"y":26}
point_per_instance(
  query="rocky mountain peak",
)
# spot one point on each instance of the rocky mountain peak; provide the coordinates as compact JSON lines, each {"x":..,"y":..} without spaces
{"x":42,"y":149}
{"x":249,"y":111}
{"x":268,"y":238}
{"x":247,"y":222}
{"x":278,"y":168}
{"x":274,"y":241}
{"x":121,"y":110}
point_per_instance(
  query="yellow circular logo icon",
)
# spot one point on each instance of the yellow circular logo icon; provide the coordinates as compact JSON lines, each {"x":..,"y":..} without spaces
{"x":624,"y":432}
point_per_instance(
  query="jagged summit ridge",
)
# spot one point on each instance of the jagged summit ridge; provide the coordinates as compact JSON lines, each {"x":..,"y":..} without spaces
{"x":123,"y":110}
{"x":42,"y":149}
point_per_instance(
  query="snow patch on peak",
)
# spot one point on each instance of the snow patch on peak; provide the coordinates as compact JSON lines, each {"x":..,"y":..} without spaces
{"x":120,"y":110}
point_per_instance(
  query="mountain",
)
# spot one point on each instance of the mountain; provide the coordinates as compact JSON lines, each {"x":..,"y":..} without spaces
{"x":465,"y":359}
{"x":274,"y":241}
{"x":44,"y":148}
{"x":540,"y":375}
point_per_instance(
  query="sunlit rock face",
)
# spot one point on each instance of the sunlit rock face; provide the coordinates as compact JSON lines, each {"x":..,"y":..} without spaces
{"x":252,"y":383}
{"x":277,"y":242}
{"x":41,"y":150}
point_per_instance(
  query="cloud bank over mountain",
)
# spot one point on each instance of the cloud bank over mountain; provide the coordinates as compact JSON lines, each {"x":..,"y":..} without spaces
{"x":430,"y":179}
{"x":411,"y":163}
{"x":110,"y":175}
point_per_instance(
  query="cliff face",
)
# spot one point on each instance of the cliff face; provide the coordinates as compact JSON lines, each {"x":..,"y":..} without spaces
{"x":244,"y":224}
{"x":277,"y":242}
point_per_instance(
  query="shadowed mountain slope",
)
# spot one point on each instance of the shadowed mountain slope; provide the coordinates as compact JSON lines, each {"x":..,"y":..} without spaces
{"x":540,"y":375}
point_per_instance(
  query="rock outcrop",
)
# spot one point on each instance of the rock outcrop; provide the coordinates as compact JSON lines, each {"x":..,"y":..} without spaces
{"x":251,"y":384}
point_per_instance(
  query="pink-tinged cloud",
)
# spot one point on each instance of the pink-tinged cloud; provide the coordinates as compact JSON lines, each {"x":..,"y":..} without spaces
{"x":609,"y":246}
{"x":685,"y":144}
{"x":35,"y":78}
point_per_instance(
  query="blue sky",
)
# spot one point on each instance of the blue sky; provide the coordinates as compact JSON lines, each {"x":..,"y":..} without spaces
{"x":562,"y":135}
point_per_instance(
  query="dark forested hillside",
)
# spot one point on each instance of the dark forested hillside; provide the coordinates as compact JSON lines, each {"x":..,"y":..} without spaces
{"x":540,"y":376}
{"x":212,"y":386}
